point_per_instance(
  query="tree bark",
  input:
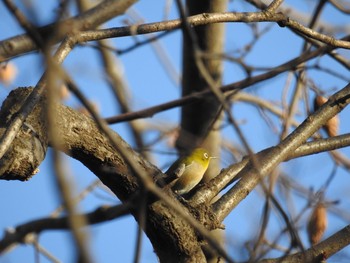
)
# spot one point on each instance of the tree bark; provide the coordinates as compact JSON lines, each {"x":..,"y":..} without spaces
{"x":173,"y":239}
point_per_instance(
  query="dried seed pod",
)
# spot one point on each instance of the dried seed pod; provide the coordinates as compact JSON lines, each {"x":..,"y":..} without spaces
{"x":64,"y":92}
{"x":319,"y":101}
{"x":332,"y":125}
{"x":317,"y":223}
{"x":8,"y":72}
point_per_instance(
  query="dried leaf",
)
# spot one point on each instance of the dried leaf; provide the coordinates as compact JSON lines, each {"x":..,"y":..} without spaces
{"x":319,"y":101}
{"x":332,"y":125}
{"x":317,"y":223}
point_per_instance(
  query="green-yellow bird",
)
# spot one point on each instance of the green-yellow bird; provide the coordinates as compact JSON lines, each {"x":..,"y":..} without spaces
{"x":189,"y":170}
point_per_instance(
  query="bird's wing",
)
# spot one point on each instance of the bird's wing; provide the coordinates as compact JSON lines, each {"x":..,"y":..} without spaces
{"x":179,"y":170}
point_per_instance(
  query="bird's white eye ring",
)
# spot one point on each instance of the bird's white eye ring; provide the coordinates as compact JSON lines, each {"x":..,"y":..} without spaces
{"x":206,"y":156}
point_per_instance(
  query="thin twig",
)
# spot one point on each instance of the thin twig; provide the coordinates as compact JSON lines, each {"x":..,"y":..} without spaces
{"x":289,"y":65}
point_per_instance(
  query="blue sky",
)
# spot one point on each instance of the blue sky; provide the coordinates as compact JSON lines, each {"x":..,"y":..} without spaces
{"x":150,"y":85}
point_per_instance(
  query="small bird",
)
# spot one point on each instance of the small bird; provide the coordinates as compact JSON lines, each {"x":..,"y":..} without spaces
{"x":189,"y":170}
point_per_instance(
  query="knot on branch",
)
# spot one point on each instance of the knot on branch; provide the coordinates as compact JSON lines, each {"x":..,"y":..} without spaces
{"x":283,"y":22}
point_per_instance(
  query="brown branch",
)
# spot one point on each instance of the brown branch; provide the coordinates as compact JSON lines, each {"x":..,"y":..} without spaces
{"x":209,"y":18}
{"x":270,"y":158}
{"x":321,"y":145}
{"x":208,"y":191}
{"x":137,"y":168}
{"x":196,"y":20}
{"x":32,"y":31}
{"x":345,"y":8}
{"x":90,"y":19}
{"x":19,"y":234}
{"x":319,"y":252}
{"x":274,"y":6}
{"x":125,"y":174}
{"x":289,"y":65}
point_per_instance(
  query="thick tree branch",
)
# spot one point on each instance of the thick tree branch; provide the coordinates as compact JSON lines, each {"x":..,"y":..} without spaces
{"x":83,"y":140}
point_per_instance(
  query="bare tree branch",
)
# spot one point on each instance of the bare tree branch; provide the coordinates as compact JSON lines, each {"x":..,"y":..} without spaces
{"x":18,"y":234}
{"x":319,"y":252}
{"x":272,"y":157}
{"x":289,"y":65}
{"x":90,"y":19}
{"x":197,"y":20}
